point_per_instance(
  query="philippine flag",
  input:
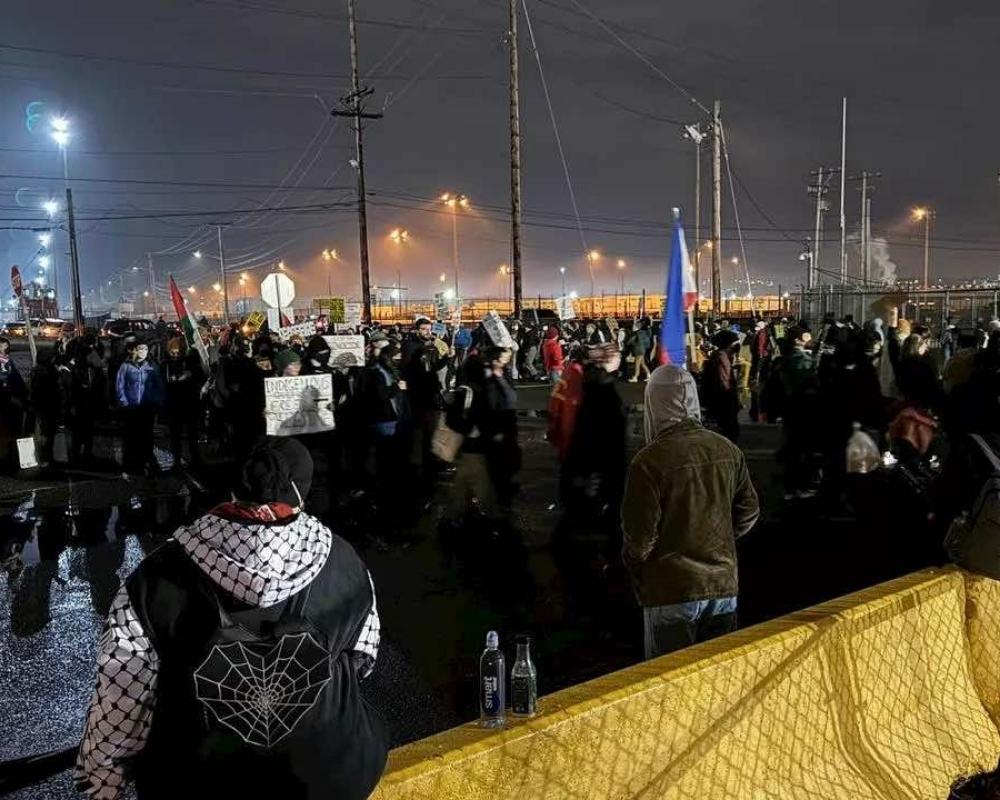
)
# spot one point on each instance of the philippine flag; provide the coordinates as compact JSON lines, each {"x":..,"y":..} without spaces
{"x":681,"y":297}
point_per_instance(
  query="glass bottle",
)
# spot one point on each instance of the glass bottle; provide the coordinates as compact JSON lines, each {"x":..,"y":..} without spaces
{"x":523,"y":681}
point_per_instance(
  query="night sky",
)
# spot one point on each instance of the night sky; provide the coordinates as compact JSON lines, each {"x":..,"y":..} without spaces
{"x":253,"y":120}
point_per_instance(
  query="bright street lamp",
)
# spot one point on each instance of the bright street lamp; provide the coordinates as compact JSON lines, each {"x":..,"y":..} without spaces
{"x":197,"y":254}
{"x":45,"y":239}
{"x":281,"y":266}
{"x":925,"y":214}
{"x":51,"y":207}
{"x":454,"y":202}
{"x":191,"y":290}
{"x":562,"y":271}
{"x":399,"y":236}
{"x":621,"y":273}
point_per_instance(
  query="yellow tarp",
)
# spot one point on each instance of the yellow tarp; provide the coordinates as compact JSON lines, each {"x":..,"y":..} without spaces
{"x":871,"y":696}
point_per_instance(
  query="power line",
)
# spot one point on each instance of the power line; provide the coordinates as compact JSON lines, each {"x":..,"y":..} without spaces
{"x":153,"y":182}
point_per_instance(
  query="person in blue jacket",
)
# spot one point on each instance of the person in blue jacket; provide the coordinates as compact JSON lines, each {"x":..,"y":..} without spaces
{"x":139,"y":390}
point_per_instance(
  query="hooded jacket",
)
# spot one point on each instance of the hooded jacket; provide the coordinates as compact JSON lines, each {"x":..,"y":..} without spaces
{"x":688,"y":497}
{"x":552,"y":353}
{"x":145,"y":715}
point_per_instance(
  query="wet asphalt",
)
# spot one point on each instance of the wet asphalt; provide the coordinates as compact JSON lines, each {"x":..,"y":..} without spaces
{"x":438,"y":592}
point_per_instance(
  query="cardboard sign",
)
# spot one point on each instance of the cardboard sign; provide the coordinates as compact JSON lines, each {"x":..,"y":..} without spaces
{"x":566,"y":307}
{"x":346,"y":351}
{"x":439,"y":329}
{"x":352,"y":314}
{"x":304,"y":329}
{"x":254,"y":322}
{"x":335,"y":307}
{"x":497,"y":331}
{"x":294,"y":406}
{"x":26,"y":453}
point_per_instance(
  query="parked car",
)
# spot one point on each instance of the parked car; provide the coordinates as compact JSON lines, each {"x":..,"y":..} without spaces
{"x":143,"y":329}
{"x":50,"y":328}
{"x":17,"y":329}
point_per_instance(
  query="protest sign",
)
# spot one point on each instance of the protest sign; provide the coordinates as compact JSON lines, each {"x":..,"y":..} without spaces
{"x":334,"y":306}
{"x":254,"y":322}
{"x":439,"y":329}
{"x":346,"y":351}
{"x":352,"y":314}
{"x":303,"y":404}
{"x":304,"y":329}
{"x":497,"y":331}
{"x":566,"y":307}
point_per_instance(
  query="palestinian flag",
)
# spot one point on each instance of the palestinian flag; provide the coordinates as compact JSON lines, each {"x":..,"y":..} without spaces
{"x":187,"y":322}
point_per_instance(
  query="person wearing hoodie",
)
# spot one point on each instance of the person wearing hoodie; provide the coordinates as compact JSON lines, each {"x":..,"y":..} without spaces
{"x":13,"y":401}
{"x":232,"y":659}
{"x":139,"y":390}
{"x":552,"y":354}
{"x":688,"y":497}
{"x":183,"y":377}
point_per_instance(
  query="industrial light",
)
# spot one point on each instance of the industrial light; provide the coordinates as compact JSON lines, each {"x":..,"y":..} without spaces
{"x":51,"y":207}
{"x":197,"y":254}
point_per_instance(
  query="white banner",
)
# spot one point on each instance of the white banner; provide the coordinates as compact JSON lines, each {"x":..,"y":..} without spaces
{"x":298,"y":405}
{"x":497,"y":331}
{"x":352,"y":314}
{"x":566,"y":307}
{"x":304,"y":329}
{"x":346,"y":351}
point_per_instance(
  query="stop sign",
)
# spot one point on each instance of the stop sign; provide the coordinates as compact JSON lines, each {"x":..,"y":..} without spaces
{"x":15,"y":280}
{"x":277,"y":290}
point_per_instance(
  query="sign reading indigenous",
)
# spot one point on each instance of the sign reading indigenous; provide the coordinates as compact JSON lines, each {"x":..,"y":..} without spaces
{"x":298,"y":405}
{"x":346,"y":351}
{"x":255,"y":321}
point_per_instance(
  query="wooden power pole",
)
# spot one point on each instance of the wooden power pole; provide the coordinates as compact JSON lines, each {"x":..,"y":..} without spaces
{"x":717,"y":208}
{"x":353,"y":108}
{"x":515,"y":162}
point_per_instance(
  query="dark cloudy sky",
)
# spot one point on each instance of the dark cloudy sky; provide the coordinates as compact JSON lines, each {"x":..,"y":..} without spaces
{"x":920,"y":77}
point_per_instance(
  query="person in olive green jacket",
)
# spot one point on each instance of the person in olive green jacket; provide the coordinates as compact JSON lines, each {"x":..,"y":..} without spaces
{"x":688,"y":498}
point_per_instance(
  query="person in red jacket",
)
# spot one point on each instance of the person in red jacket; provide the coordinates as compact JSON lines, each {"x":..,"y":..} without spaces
{"x":552,"y":354}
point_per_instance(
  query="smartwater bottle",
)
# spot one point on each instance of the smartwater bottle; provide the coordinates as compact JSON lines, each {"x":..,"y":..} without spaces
{"x":492,"y":697}
{"x":523,"y":681}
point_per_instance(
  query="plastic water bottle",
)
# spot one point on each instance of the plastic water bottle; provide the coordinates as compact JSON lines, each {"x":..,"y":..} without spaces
{"x":492,"y":697}
{"x":523,"y":681}
{"x":862,"y":454}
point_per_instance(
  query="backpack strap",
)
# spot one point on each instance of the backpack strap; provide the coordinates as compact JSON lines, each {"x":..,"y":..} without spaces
{"x":987,"y":451}
{"x":295,"y":606}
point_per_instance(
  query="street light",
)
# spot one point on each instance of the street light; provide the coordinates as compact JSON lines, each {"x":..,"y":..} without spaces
{"x":621,"y":273}
{"x":51,"y":207}
{"x":399,"y":236}
{"x":281,"y":266}
{"x":592,"y":258}
{"x":45,"y":239}
{"x":197,"y":254}
{"x":562,"y":271}
{"x":455,"y":202}
{"x":191,"y":290}
{"x":925,"y":214}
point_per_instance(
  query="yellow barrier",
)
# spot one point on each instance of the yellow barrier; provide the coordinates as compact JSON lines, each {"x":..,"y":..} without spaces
{"x":869,"y":696}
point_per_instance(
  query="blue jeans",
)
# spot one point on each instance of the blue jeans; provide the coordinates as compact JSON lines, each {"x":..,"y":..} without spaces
{"x":674,"y":627}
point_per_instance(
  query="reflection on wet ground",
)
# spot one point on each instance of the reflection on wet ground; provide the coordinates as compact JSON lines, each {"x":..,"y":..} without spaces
{"x":439,"y":591}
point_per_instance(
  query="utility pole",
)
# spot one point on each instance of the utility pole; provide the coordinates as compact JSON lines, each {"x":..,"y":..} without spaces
{"x":843,"y":189}
{"x":864,"y":256}
{"x":696,"y":135}
{"x":820,"y":189}
{"x":74,"y":256}
{"x":515,"y":161}
{"x":717,"y":208}
{"x":152,"y":281}
{"x":353,"y":108}
{"x":222,"y":273}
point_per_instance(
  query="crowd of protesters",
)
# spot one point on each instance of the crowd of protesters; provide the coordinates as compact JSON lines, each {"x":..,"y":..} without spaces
{"x":433,"y":399}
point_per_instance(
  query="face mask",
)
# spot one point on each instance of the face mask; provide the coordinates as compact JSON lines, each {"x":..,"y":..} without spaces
{"x":141,"y":352}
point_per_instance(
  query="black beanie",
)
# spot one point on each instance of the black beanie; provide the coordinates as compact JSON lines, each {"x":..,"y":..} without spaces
{"x":271,"y":469}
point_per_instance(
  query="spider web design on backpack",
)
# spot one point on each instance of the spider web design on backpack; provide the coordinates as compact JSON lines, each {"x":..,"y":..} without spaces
{"x":262,"y":691}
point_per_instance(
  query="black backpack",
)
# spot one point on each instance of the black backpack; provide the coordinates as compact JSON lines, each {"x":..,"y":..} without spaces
{"x":261,"y":685}
{"x":973,"y":540}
